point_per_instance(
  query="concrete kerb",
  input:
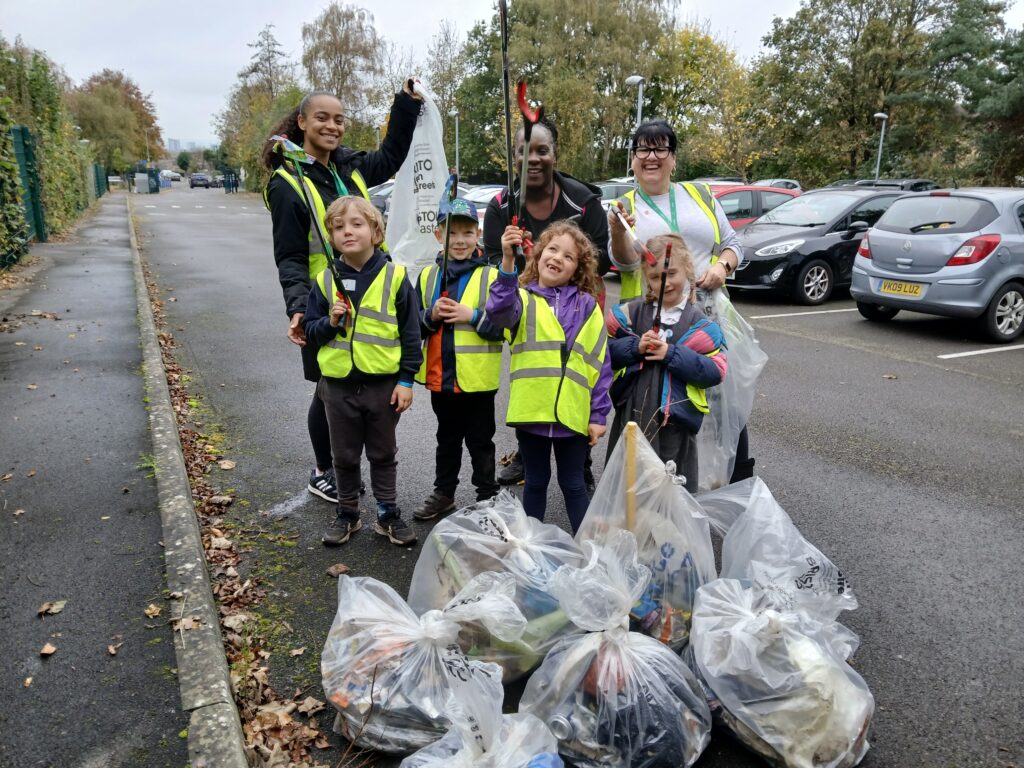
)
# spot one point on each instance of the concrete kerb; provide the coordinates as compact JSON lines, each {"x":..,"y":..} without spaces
{"x":215,"y":737}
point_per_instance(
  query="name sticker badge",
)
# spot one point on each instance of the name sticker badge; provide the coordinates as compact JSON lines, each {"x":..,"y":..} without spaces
{"x":350,"y":285}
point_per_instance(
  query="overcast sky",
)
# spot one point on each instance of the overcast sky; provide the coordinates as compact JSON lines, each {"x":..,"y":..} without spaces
{"x":186,"y":54}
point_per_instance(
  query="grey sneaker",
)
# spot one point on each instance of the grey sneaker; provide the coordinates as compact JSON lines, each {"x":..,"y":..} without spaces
{"x":436,"y":504}
{"x":390,"y":523}
{"x":345,"y":524}
{"x":512,"y":469}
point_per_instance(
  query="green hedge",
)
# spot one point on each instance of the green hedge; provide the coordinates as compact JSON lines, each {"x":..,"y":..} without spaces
{"x":13,"y":229}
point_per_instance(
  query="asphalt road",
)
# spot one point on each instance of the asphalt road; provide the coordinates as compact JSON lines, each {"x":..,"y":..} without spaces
{"x":79,"y":519}
{"x":903,"y":466}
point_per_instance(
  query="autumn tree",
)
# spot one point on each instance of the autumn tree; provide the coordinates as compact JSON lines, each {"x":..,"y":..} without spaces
{"x":269,"y":71}
{"x":444,"y":73}
{"x":117,"y":118}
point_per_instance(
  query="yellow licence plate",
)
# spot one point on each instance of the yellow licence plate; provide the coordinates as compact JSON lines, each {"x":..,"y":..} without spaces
{"x":898,"y":288}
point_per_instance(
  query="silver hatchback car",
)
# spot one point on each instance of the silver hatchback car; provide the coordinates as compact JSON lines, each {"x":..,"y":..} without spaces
{"x":956,"y":253}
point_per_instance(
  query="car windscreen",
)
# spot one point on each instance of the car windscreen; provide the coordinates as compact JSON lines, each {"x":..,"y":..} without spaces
{"x":809,"y":210}
{"x":483,"y":195}
{"x":933,"y":213}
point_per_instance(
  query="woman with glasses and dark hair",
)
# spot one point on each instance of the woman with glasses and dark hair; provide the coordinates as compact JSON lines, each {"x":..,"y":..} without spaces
{"x":659,"y":207}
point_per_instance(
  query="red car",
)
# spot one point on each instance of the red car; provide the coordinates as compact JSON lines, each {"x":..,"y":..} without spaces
{"x":743,"y":203}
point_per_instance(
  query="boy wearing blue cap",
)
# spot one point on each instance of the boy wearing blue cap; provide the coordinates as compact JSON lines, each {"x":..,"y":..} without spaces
{"x":461,"y":358}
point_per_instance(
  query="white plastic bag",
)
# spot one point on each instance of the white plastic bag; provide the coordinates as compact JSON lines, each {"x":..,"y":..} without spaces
{"x":731,"y":401}
{"x":764,"y":547}
{"x":481,"y":737}
{"x":639,"y":493}
{"x":615,"y":698}
{"x":391,"y":673}
{"x":498,"y":536}
{"x":775,"y":678}
{"x":418,"y":189}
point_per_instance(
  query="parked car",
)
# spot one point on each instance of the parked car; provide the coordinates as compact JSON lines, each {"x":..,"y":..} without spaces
{"x":198,"y":180}
{"x":805,"y":248}
{"x":481,"y":196}
{"x":386,"y":194}
{"x":843,"y":183}
{"x":743,"y":203}
{"x":720,"y":179}
{"x":781,"y":183}
{"x":217,"y":181}
{"x":910,"y":185}
{"x":613,"y":190}
{"x":955,"y":253}
{"x":170,"y":175}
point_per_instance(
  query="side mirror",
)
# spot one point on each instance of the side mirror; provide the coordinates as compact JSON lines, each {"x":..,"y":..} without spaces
{"x":857,"y":228}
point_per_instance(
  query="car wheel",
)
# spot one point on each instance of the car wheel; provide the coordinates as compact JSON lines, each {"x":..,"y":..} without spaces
{"x":814,"y":283}
{"x":1004,"y":318}
{"x":879,"y":313}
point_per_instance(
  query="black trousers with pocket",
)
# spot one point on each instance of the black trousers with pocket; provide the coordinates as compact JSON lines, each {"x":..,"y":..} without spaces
{"x":464,"y":417}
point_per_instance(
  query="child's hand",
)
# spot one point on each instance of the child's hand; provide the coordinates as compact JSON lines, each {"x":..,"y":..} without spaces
{"x":453,"y":312}
{"x":657,"y":347}
{"x":646,"y":341}
{"x":338,"y":310}
{"x":435,"y":311}
{"x":510,"y":238}
{"x":401,"y":398}
{"x":596,"y":432}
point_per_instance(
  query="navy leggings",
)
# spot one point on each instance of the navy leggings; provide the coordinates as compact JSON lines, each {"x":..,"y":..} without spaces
{"x":570,"y":453}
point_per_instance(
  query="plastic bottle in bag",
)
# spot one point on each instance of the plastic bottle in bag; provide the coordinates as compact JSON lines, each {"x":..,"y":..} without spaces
{"x":615,"y":698}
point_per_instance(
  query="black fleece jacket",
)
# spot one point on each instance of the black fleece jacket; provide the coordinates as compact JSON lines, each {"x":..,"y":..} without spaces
{"x":288,"y":212}
{"x":317,"y":321}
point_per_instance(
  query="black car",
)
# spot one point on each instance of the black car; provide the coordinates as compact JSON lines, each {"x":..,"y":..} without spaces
{"x":805,"y":248}
{"x":198,"y":180}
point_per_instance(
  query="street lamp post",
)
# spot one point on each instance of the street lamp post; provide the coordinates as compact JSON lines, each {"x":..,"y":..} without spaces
{"x":146,"y":131}
{"x":455,"y":113}
{"x":633,"y":80}
{"x":881,"y":139}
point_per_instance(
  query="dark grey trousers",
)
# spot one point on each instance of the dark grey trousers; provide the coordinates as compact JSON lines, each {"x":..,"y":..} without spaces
{"x":360,"y":416}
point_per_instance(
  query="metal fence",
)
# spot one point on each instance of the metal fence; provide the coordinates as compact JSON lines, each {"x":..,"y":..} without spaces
{"x":31,"y":189}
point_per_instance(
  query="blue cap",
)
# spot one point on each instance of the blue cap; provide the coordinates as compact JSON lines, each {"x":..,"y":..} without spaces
{"x":458,"y":208}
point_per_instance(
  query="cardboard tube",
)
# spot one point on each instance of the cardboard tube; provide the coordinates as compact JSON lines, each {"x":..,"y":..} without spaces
{"x":630,"y":435}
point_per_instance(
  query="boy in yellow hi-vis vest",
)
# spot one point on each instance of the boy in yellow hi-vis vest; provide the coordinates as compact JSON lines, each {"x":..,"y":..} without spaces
{"x":462,"y":358}
{"x":367,"y":336}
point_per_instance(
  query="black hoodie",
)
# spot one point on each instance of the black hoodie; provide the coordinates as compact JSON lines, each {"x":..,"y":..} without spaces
{"x":579,"y":201}
{"x":288,"y":212}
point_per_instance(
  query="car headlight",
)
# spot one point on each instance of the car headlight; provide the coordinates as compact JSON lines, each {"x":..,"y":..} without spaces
{"x":776,"y":274}
{"x":779,"y":249}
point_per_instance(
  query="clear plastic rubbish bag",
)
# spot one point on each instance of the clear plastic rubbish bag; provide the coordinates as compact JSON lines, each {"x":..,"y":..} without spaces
{"x":418,"y":186}
{"x":775,"y":679}
{"x":638,"y":492}
{"x":762,"y":545}
{"x":391,"y":673}
{"x":481,"y":737}
{"x":497,"y":535}
{"x":731,"y":401}
{"x":615,"y":698}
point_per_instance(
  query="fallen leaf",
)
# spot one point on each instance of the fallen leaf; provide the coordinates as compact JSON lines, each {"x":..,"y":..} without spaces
{"x":236,"y":621}
{"x":221,"y":501}
{"x":113,"y":649}
{"x":105,"y":517}
{"x":189,"y":622}
{"x":152,"y":611}
{"x":890,"y":376}
{"x":322,"y":742}
{"x":32,"y":386}
{"x":219,"y":542}
{"x":18,"y":512}
{"x":226,"y":464}
{"x":310,"y":706}
{"x":19,"y":343}
{"x":337,"y":569}
{"x":48,"y":650}
{"x":71,"y":335}
{"x":28,"y":682}
{"x":37,"y":348}
{"x":30,"y":473}
{"x":297,"y":651}
{"x":7,"y":476}
{"x":175,"y":595}
{"x":52,"y":607}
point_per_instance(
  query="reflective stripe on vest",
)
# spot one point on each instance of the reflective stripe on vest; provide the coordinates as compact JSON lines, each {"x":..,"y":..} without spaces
{"x":477,"y":360}
{"x":550,"y":383}
{"x":317,"y":259}
{"x":372,"y":343}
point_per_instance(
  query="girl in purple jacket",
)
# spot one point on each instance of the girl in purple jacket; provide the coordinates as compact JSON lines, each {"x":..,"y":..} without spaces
{"x":561,"y":273}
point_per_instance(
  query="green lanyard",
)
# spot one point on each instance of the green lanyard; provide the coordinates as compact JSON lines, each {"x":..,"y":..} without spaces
{"x":673,"y":223}
{"x":339,"y":185}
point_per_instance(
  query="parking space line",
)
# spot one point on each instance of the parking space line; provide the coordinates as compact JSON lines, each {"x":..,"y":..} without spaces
{"x":800,"y":314}
{"x":980,"y":352}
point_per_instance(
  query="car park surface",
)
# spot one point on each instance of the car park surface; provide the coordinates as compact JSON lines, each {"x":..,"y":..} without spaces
{"x":957,"y":253}
{"x":805,"y":248}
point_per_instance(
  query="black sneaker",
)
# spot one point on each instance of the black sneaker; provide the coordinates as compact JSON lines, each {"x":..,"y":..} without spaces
{"x":345,"y":524}
{"x":323,"y":485}
{"x":436,"y":504}
{"x":588,"y":480}
{"x":393,"y":526}
{"x":512,"y":470}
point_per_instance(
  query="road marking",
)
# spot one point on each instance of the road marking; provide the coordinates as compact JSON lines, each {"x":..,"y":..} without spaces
{"x":222,"y":206}
{"x":286,"y":508}
{"x":158,"y":214}
{"x":151,"y":206}
{"x":199,"y":206}
{"x":801,"y":314}
{"x":245,"y":206}
{"x":980,"y":352}
{"x":175,"y":206}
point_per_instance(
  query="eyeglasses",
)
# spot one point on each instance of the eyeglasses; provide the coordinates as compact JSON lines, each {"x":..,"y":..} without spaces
{"x":659,"y":152}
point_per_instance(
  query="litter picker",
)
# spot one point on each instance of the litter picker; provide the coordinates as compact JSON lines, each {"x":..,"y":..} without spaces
{"x":298,"y":156}
{"x":639,"y":247}
{"x":452,"y":190}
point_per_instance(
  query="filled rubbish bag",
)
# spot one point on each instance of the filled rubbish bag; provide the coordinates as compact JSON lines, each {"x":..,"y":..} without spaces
{"x":763,"y":546}
{"x":615,"y":698}
{"x":419,"y":184}
{"x":391,"y":673}
{"x":638,"y":492}
{"x":497,"y":535}
{"x":775,"y":678}
{"x":731,"y":401}
{"x":481,"y":737}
